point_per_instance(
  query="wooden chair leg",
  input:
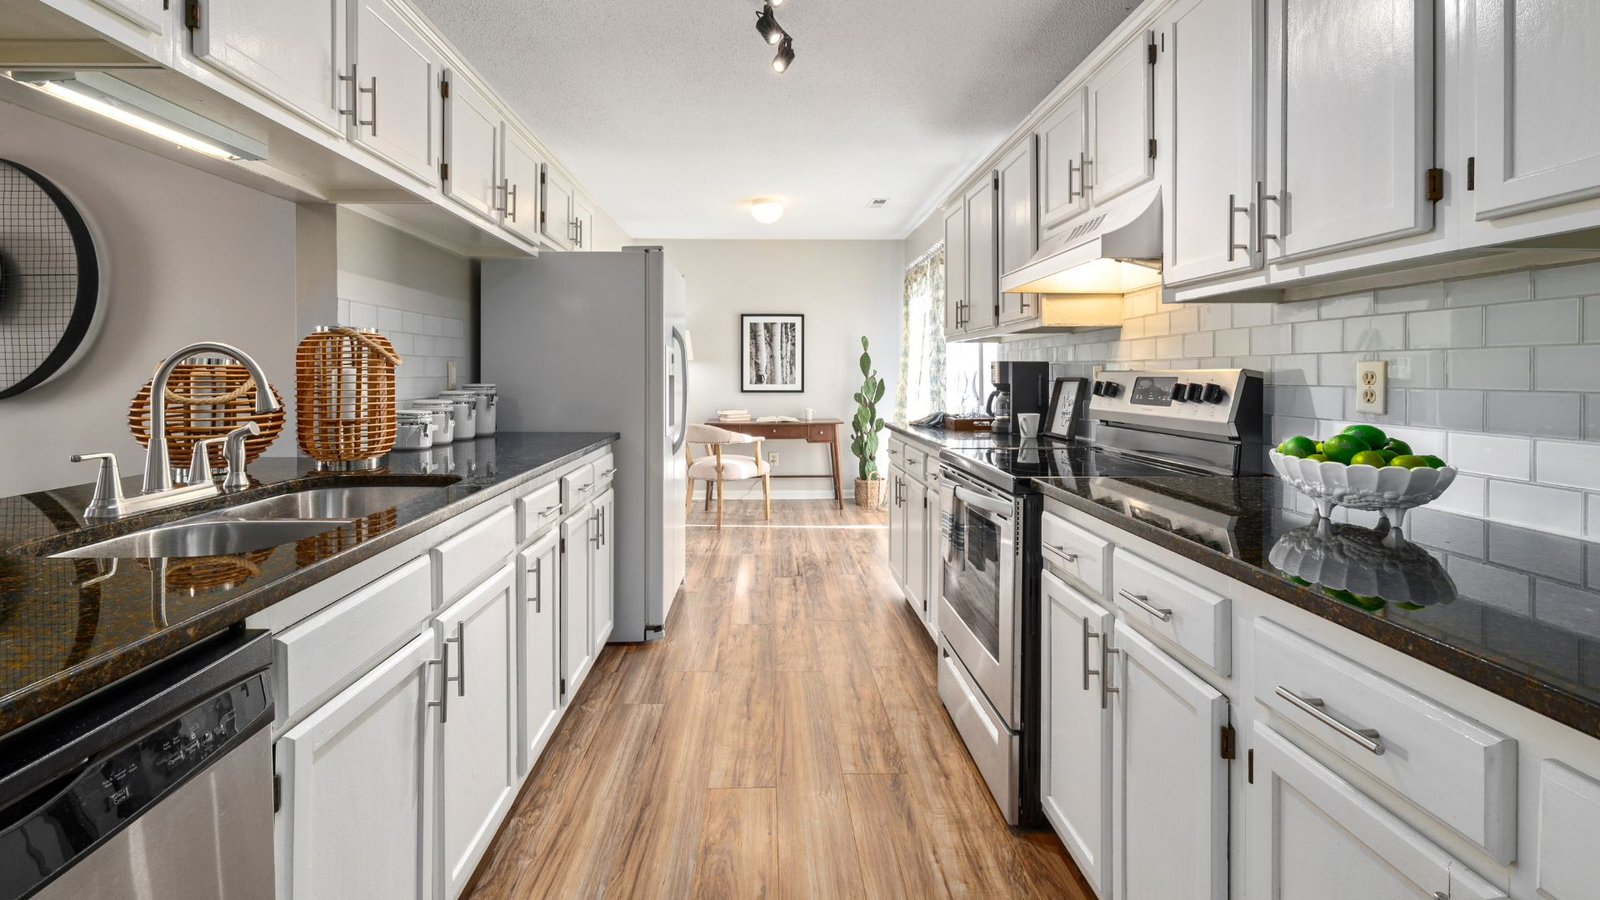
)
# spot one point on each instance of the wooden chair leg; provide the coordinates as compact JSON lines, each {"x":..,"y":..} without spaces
{"x":688,"y":500}
{"x":766,"y":491}
{"x":719,"y":501}
{"x":711,"y":492}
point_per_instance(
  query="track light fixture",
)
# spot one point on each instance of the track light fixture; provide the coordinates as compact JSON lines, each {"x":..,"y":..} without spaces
{"x":780,"y":63}
{"x":767,"y":25}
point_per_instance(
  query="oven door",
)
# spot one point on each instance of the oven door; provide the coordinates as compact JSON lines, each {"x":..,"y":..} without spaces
{"x":978,"y":613}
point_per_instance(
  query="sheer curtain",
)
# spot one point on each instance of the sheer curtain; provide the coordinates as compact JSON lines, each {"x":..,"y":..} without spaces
{"x":922,"y":350}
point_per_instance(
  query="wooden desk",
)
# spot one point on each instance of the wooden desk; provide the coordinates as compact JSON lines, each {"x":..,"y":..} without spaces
{"x":816,"y":431}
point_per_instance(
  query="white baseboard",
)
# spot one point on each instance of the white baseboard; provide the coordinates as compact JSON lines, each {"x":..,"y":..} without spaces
{"x":751,"y":490}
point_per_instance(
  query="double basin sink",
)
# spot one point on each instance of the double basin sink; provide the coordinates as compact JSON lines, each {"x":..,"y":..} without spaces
{"x":257,"y":525}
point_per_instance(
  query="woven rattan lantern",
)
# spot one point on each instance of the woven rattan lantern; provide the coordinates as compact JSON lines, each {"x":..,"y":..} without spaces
{"x":344,"y":391}
{"x":207,"y":399}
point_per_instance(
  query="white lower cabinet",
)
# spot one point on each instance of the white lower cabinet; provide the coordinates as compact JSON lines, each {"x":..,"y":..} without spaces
{"x":1075,"y":774}
{"x":916,"y":542}
{"x":358,"y":800}
{"x":1313,"y":835}
{"x":602,"y":580}
{"x":1169,"y":780}
{"x":897,"y":525}
{"x":539,"y":654}
{"x":577,"y":599}
{"x":477,"y":779}
{"x":915,"y":500}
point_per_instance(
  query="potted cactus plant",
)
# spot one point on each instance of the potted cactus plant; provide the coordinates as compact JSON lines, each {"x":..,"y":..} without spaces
{"x":864,"y":428}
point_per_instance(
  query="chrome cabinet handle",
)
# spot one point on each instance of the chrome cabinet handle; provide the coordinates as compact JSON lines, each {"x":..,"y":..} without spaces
{"x":1062,"y":552}
{"x":1234,"y":209}
{"x":443,"y":703}
{"x":1143,"y":602}
{"x":460,"y":640}
{"x":1084,"y":162}
{"x":1073,"y":195}
{"x":1088,"y":635}
{"x":536,"y":596}
{"x":503,"y":189}
{"x":373,"y":93}
{"x":353,"y":112}
{"x":1106,"y":690}
{"x":511,"y":200}
{"x":607,"y":473}
{"x":1261,"y":216}
{"x":1367,"y":739}
{"x":549,"y":511}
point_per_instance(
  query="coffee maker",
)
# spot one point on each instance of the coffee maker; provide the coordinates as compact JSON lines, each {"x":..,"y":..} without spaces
{"x":1020,"y":388}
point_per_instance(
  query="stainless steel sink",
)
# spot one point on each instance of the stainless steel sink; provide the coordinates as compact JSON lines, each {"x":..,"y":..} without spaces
{"x":212,"y":537}
{"x":328,"y":503}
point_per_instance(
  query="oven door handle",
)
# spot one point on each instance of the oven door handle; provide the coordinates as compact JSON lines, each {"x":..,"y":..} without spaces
{"x":983,"y":502}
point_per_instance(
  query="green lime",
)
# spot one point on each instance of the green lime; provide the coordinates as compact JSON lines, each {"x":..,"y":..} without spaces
{"x":1409,"y":607}
{"x":1401,"y":448}
{"x":1371,"y":604}
{"x":1369,"y":458}
{"x":1341,"y":447}
{"x":1298,"y":446}
{"x":1319,"y":446}
{"x":1387,"y":454}
{"x":1317,"y":457}
{"x":1410,"y":462}
{"x":1371,"y":435}
{"x":1434,"y":462}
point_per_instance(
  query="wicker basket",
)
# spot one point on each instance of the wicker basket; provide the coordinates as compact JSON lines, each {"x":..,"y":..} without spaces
{"x":207,"y":400}
{"x":345,"y":396}
{"x":869,"y":493}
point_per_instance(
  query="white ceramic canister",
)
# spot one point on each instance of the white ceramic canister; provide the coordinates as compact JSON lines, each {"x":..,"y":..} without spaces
{"x":465,"y":408}
{"x":480,"y":407}
{"x":444,"y":419}
{"x":414,"y":429}
{"x":488,"y":400}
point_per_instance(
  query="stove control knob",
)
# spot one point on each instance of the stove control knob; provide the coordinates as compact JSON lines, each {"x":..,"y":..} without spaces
{"x":1197,"y":392}
{"x":1215,"y":393}
{"x":1099,"y":389}
{"x":1112,"y":389}
{"x":1180,"y":392}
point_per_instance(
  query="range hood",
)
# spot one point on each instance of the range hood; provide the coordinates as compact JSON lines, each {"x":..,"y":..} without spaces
{"x":1115,"y":250}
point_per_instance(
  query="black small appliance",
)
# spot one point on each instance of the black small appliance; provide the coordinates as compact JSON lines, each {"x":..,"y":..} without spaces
{"x":1020,"y":388}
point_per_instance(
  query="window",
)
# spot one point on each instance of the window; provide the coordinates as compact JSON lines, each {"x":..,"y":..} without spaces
{"x":935,"y":376}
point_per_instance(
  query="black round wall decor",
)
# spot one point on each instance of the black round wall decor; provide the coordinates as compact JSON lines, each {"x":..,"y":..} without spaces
{"x":49,"y":279}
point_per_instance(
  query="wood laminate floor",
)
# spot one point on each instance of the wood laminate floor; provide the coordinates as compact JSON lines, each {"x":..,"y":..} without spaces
{"x":785,"y":739}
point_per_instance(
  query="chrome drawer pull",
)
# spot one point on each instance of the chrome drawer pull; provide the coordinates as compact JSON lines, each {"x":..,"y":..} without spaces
{"x":1062,"y":552}
{"x":1106,"y":690}
{"x":1088,"y":635}
{"x":538,"y":584}
{"x":460,"y":640}
{"x":1367,"y":738}
{"x":443,"y":662}
{"x":549,"y":511}
{"x":1143,"y":602}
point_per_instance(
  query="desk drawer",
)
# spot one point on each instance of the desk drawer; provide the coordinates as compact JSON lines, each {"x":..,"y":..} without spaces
{"x":1074,"y":551}
{"x":577,"y":488}
{"x":469,"y":557}
{"x":539,"y":510}
{"x":820,"y":434}
{"x":1165,"y":603}
{"x":1452,"y":767}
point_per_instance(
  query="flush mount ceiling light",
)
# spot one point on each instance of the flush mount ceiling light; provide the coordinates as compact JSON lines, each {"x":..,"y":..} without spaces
{"x":766,"y":210}
{"x":780,"y":63}
{"x":767,"y":25}
{"x":115,"y":99}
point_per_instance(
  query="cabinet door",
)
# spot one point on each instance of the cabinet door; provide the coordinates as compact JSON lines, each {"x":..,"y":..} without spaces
{"x":955,"y":269}
{"x":1213,"y":76}
{"x":396,"y":79}
{"x":1062,"y":152}
{"x":1169,"y":780}
{"x":603,"y":580}
{"x":983,"y":245}
{"x":577,"y":568}
{"x":1075,"y":778}
{"x":934,"y":585}
{"x":152,"y":14}
{"x":290,"y":50}
{"x":1347,"y":158}
{"x":583,"y":222}
{"x":916,"y":519}
{"x":358,"y":787}
{"x":897,"y":525}
{"x":539,"y":656}
{"x":555,"y":209}
{"x":523,"y":166}
{"x":1533,"y":67}
{"x":472,"y":148}
{"x":1312,"y":835}
{"x":477,"y":753}
{"x":1121,"y":122}
{"x":1019,"y":227}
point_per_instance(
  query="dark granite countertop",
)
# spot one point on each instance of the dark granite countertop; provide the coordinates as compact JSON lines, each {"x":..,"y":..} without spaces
{"x":1514,"y":611}
{"x":949,"y":438}
{"x":71,"y":626}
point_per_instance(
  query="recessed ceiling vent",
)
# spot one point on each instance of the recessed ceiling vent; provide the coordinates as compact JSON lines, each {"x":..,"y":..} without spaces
{"x":877,"y":203}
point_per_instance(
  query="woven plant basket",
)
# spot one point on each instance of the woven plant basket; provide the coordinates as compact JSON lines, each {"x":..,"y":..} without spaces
{"x":344,"y":391}
{"x":869,"y":493}
{"x":207,"y":400}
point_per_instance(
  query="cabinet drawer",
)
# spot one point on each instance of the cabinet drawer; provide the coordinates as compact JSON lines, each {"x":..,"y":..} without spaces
{"x":470,"y":556}
{"x":1451,"y":767}
{"x":605,"y":469}
{"x":577,"y":488}
{"x":1165,"y":603}
{"x":539,"y":510}
{"x":916,"y":463}
{"x":327,"y":650}
{"x":1074,"y":551}
{"x":1569,"y":805}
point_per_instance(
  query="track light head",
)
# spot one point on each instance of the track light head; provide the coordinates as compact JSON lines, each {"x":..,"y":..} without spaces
{"x":767,"y":25}
{"x":780,"y":63}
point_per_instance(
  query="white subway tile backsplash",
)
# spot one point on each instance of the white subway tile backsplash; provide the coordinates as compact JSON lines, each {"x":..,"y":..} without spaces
{"x":1271,"y":340}
{"x":1570,"y":463}
{"x":344,"y":312}
{"x":1537,"y":507}
{"x":1445,"y":328}
{"x":1566,"y":281}
{"x":1344,"y":307}
{"x":1591,"y":320}
{"x":391,"y":320}
{"x":1413,"y":298}
{"x":1375,"y":333}
{"x":1539,"y":413}
{"x":416,"y":323}
{"x":1466,"y":496}
{"x":1567,"y":368}
{"x":1185,"y":319}
{"x":1246,"y":315}
{"x":1233,"y":342}
{"x":1303,"y":311}
{"x":1215,"y":316}
{"x":1169,"y":346}
{"x":1593,"y":531}
{"x":1158,"y":325}
{"x":1411,"y":368}
{"x":1200,"y":343}
{"x":1394,"y":414}
{"x":1591,"y":417}
{"x":1318,"y":337}
{"x":1337,"y":368}
{"x":1488,"y":454}
{"x":1489,"y":289}
{"x":1505,"y":369}
{"x":1455,"y":410}
{"x":1541,"y":322}
{"x":363,"y":315}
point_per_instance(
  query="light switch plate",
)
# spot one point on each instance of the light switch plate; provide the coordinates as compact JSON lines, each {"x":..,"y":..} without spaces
{"x":1372,"y":387}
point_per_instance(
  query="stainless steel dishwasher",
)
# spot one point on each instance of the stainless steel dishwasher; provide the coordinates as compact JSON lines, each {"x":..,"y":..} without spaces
{"x":157,"y":786}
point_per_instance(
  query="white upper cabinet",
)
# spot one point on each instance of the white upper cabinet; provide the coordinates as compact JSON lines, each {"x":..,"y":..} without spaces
{"x":955,"y":269}
{"x":1120,"y":99}
{"x":1350,"y":119}
{"x":151,"y":14}
{"x":1537,"y":137}
{"x":556,"y":220}
{"x":1212,"y":77}
{"x":289,"y":50}
{"x":1019,"y":227}
{"x":394,"y":83}
{"x":582,"y":222}
{"x":983,"y":277}
{"x":1062,"y":154}
{"x":472,"y":148}
{"x":523,"y":165}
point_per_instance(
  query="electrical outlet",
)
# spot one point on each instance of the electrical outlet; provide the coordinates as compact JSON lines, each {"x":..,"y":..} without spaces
{"x":450,"y":375}
{"x":1372,"y":387}
{"x":772,"y":459}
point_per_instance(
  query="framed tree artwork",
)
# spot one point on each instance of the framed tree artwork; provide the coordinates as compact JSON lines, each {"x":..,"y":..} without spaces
{"x":774,"y":352}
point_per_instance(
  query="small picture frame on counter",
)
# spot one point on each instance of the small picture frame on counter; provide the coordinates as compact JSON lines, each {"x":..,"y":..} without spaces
{"x":1066,"y":405}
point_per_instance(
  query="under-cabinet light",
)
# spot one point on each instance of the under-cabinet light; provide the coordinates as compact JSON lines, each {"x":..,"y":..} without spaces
{"x":115,"y":99}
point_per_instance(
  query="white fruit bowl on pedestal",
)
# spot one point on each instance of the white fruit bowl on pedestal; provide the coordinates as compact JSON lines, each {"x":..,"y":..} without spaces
{"x":1390,"y":490}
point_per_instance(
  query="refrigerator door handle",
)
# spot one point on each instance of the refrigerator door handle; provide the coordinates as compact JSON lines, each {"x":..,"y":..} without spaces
{"x":682,"y":401}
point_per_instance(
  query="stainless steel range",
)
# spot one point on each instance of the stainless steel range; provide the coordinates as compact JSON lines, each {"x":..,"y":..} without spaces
{"x":1148,"y":425}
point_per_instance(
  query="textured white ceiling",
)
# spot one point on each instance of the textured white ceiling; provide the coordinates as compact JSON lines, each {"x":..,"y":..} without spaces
{"x":670,"y":113}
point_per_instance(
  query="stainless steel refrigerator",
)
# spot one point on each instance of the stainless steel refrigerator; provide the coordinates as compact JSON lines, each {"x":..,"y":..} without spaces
{"x":595,"y":342}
